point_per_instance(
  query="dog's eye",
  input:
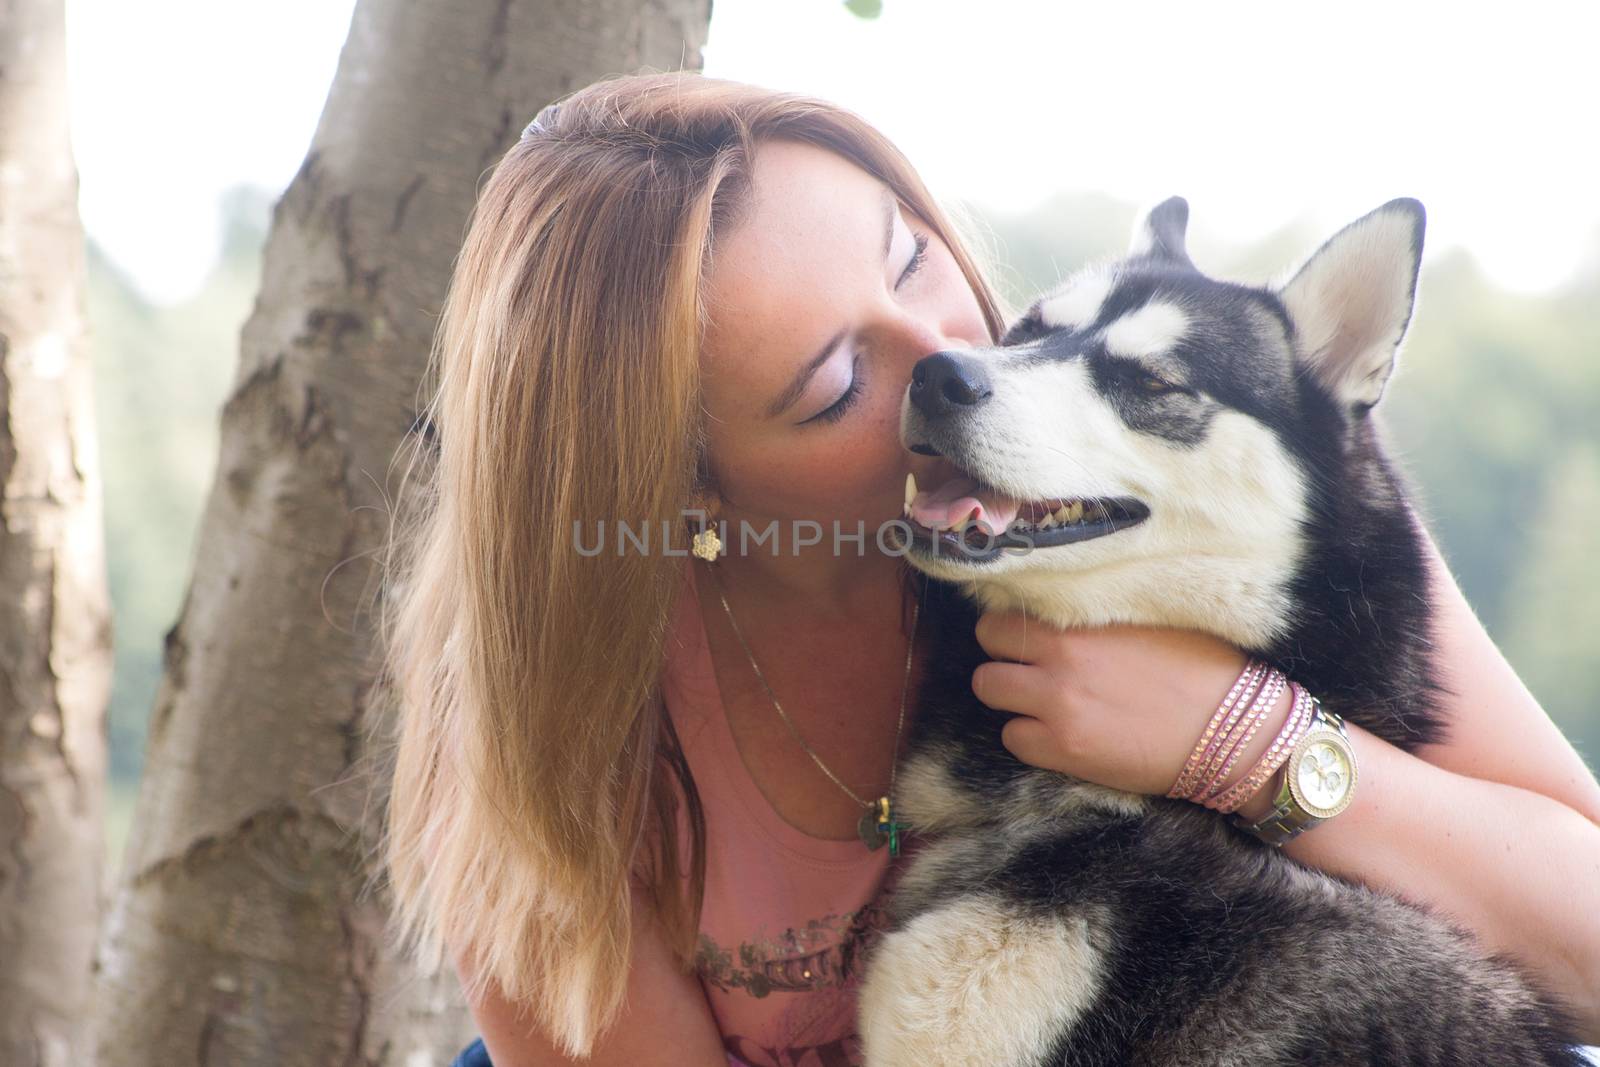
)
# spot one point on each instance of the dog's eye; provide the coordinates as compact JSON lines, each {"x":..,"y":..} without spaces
{"x":1154,"y":385}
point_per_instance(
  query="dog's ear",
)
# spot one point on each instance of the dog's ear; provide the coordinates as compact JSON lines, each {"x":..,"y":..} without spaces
{"x":1352,"y":301}
{"x":1160,"y":233}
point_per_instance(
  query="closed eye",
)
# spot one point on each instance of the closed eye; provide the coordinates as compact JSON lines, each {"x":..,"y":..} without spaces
{"x":835,"y":411}
{"x":918,"y":256}
{"x":1154,"y":384}
{"x":1142,"y":381}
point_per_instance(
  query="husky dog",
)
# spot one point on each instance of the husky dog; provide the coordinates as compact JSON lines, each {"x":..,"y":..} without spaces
{"x":1163,"y":448}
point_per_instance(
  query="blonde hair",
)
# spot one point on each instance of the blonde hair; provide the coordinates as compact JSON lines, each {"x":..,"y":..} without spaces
{"x":536,"y":777}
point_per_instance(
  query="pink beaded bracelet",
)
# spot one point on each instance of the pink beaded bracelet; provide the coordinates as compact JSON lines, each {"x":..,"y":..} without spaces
{"x":1189,"y":776}
{"x":1294,"y":728}
{"x":1227,"y":738}
{"x":1262,"y":706}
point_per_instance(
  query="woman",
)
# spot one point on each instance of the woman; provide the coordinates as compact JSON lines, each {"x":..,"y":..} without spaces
{"x":628,"y":785}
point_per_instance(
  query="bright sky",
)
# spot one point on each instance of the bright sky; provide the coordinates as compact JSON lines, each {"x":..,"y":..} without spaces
{"x":1272,"y":112}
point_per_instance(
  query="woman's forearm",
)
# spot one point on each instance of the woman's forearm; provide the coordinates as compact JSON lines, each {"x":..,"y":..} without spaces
{"x":1519,"y":870}
{"x":1502,"y":857}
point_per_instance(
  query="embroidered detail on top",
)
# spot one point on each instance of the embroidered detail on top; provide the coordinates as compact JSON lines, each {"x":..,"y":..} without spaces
{"x":820,"y":954}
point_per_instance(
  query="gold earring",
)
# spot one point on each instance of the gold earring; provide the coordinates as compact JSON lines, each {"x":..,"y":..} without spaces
{"x":707,"y":545}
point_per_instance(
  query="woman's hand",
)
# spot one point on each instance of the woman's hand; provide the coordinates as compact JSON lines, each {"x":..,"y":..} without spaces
{"x":1119,"y":706}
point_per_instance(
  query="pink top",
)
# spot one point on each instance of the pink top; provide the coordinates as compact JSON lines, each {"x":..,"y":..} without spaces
{"x":786,"y":915}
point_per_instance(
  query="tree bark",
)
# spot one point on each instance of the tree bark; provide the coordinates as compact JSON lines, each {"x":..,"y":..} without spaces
{"x":55,"y":625}
{"x":239,"y":933}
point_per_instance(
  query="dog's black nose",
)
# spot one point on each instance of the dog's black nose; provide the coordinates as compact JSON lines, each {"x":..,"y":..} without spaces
{"x":947,"y":382}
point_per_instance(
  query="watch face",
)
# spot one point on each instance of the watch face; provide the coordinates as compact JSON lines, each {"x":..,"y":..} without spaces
{"x":1323,"y":775}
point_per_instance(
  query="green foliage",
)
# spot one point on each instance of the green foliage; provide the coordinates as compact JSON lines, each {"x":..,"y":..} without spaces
{"x":867,"y":9}
{"x":161,"y":374}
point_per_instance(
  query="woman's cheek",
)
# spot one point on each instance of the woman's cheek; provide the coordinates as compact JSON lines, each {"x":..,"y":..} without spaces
{"x":804,"y":480}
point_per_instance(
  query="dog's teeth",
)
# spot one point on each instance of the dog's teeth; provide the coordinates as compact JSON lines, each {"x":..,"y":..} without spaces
{"x":1074,"y":511}
{"x":911,"y":490}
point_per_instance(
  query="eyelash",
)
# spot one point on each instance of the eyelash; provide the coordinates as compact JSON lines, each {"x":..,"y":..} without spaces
{"x":917,"y":258}
{"x":836,"y":410}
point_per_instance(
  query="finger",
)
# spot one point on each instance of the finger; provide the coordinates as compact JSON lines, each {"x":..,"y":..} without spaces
{"x":1018,"y":687}
{"x":1030,"y":741}
{"x":1006,"y":634}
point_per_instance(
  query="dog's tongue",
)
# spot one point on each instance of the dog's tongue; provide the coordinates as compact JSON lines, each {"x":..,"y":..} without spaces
{"x":946,"y":506}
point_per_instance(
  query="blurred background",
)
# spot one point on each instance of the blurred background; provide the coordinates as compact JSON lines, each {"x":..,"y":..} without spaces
{"x":1048,"y":124}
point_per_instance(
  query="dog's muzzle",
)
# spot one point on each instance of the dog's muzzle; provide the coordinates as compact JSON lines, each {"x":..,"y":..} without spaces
{"x":946,"y":388}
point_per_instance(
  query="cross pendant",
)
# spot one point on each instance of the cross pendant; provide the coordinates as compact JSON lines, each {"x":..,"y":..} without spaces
{"x":878,"y":825}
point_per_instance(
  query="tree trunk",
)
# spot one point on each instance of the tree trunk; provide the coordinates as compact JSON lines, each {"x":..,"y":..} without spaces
{"x":55,"y":625}
{"x":239,"y":933}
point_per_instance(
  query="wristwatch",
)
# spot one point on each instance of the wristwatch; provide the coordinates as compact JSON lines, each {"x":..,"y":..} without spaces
{"x":1314,"y":784}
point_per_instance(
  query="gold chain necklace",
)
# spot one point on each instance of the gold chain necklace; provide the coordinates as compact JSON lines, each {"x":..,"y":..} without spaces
{"x":877,"y":824}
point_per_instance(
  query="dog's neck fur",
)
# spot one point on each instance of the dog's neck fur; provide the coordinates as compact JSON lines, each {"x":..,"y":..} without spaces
{"x":1225,"y":596}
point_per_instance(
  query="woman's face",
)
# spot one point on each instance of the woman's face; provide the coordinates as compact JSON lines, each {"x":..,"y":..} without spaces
{"x":814,"y":328}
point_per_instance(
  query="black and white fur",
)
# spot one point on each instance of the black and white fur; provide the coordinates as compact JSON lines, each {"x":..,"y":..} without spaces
{"x":1046,"y":920}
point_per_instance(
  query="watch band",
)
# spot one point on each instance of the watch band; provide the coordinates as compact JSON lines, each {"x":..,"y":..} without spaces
{"x":1280,"y":825}
{"x":1288,"y":818}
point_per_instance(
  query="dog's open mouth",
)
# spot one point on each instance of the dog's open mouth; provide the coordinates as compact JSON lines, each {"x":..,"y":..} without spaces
{"x":973,"y":522}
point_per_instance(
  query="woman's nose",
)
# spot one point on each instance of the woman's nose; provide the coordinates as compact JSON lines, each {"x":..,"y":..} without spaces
{"x":916,"y":337}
